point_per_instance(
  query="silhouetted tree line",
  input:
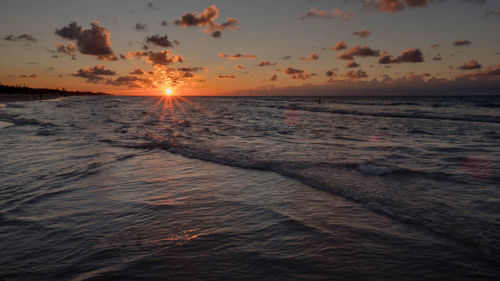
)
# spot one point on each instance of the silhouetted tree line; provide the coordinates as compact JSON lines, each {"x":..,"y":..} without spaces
{"x":19,"y":89}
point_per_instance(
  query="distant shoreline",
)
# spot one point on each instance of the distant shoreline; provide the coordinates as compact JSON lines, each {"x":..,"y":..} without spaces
{"x":16,"y":93}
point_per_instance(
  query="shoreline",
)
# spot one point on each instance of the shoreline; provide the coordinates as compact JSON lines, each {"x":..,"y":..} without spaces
{"x":35,"y":97}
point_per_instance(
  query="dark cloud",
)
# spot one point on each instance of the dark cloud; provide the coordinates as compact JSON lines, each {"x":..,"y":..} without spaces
{"x":94,"y":41}
{"x":188,"y":70}
{"x":274,"y":78}
{"x":132,"y":82}
{"x":286,"y":57}
{"x":298,"y":74}
{"x":239,"y":67}
{"x":341,"y":45}
{"x":230,"y":76}
{"x":303,"y":76}
{"x":292,"y":71}
{"x":94,"y":74}
{"x":140,"y":26}
{"x":462,"y":43}
{"x":362,"y":33}
{"x":137,"y":71}
{"x":33,"y":76}
{"x":364,"y":51}
{"x":207,"y":19}
{"x":352,"y":74}
{"x":22,"y":37}
{"x":158,"y":40}
{"x":160,"y":58}
{"x":352,"y":64}
{"x":413,"y":55}
{"x":70,"y":32}
{"x":472,"y":64}
{"x":204,"y":19}
{"x":164,"y":23}
{"x":152,"y":7}
{"x":336,"y":13}
{"x":237,"y":56}
{"x":437,"y":57}
{"x":266,"y":63}
{"x":330,"y":74}
{"x":311,"y":57}
{"x":191,"y":69}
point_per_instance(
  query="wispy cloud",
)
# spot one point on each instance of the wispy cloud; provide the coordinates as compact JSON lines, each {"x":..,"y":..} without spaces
{"x":362,"y":33}
{"x":333,"y":14}
{"x":21,"y":37}
{"x":237,"y":56}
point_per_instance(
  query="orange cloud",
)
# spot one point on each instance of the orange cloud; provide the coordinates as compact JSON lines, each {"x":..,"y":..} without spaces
{"x":472,"y":64}
{"x":311,"y":57}
{"x":489,"y":73}
{"x":352,"y":64}
{"x":68,"y":50}
{"x":392,"y":6}
{"x":341,"y":45}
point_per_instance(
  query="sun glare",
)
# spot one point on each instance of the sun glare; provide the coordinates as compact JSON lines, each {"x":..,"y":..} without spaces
{"x":168,"y":91}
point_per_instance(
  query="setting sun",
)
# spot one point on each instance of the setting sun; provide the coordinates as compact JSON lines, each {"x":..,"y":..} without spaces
{"x":168,"y":91}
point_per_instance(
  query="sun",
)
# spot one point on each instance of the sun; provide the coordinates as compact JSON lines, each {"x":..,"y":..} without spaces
{"x":168,"y":91}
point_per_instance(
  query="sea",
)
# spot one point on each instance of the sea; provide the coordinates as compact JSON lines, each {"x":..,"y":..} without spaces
{"x":250,"y":188}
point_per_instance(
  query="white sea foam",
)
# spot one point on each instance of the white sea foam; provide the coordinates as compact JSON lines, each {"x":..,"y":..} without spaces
{"x":5,"y":124}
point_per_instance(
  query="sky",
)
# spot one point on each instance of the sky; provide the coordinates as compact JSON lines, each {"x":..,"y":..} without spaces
{"x":233,"y":47}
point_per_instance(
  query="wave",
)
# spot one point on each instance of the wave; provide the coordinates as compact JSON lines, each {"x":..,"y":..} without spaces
{"x":414,"y":115}
{"x":13,"y":118}
{"x":317,"y":176}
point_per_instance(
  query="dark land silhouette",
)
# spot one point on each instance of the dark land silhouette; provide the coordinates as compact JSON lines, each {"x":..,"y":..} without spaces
{"x":10,"y":93}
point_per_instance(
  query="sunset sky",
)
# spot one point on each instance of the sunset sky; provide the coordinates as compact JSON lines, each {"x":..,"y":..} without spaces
{"x":230,"y":47}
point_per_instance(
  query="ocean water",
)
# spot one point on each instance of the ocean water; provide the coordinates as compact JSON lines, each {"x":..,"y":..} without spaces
{"x":250,"y":188}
